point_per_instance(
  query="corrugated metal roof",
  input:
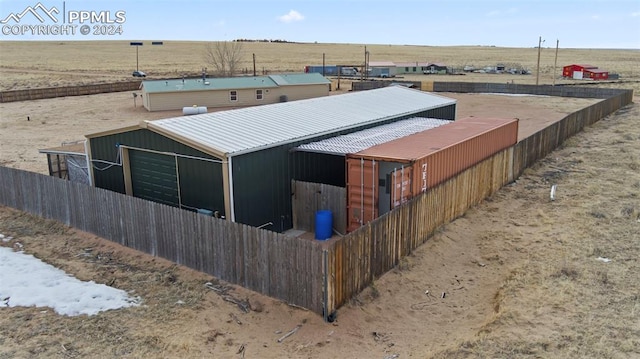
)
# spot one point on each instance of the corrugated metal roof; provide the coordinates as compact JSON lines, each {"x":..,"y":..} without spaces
{"x":232,"y":83}
{"x":421,"y":144}
{"x":76,"y":148}
{"x":411,"y":64}
{"x":585,"y":66}
{"x":253,"y":128}
{"x":223,"y":83}
{"x":381,"y":64}
{"x":361,"y":140}
{"x":299,"y":79}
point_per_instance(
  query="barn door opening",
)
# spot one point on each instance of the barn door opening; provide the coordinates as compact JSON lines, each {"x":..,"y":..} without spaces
{"x":154,"y":177}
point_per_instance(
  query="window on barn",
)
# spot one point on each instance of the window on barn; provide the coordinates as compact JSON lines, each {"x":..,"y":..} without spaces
{"x":414,"y":69}
{"x":258,"y":94}
{"x":406,"y":69}
{"x":233,"y":95}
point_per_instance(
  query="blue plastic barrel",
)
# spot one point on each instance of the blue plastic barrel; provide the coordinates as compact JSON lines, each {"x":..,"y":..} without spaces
{"x":324,"y":225}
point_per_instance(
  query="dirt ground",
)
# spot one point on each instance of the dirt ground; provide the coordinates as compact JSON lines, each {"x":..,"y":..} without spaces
{"x":520,"y":273}
{"x":26,"y":127}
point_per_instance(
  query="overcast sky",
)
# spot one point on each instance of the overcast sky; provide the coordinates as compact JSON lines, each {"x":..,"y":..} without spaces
{"x":504,"y":23}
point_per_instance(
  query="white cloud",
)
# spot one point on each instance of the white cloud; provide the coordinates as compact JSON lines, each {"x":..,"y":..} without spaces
{"x":635,"y":14}
{"x":291,"y":16}
{"x":509,"y":11}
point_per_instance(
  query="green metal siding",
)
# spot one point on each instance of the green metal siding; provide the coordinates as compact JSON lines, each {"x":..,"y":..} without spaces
{"x":319,"y":168}
{"x":262,"y":179}
{"x":443,"y":113}
{"x":154,"y":177}
{"x":201,"y":185}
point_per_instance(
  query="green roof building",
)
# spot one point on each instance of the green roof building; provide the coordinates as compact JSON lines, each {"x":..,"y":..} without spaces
{"x":231,"y":92}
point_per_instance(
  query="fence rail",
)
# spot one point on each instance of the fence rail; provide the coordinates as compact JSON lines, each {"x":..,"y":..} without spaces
{"x":317,"y":275}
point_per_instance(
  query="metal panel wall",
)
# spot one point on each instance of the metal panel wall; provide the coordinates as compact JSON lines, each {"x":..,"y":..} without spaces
{"x":154,"y":177}
{"x":262,"y":189}
{"x":448,"y":162}
{"x":200,"y":181}
{"x":436,"y":166}
{"x":318,"y":168}
{"x":362,"y":198}
{"x":262,"y":180}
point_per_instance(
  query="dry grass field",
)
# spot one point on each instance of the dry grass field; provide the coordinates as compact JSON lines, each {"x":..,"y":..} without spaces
{"x":43,"y":64}
{"x":521,"y":272}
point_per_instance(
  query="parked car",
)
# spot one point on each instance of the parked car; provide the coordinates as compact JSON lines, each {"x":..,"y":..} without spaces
{"x":139,"y":74}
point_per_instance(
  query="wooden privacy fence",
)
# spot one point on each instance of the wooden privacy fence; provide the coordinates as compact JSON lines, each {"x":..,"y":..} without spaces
{"x":354,"y":261}
{"x":51,"y":92}
{"x":540,"y":144}
{"x":544,"y":90}
{"x":311,"y":197}
{"x":267,"y":262}
{"x":376,"y":84}
{"x":311,"y":274}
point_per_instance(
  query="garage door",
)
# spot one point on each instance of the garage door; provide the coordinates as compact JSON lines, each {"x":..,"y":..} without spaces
{"x":153,"y":177}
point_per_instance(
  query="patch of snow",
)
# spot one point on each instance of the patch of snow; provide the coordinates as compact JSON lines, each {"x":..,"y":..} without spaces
{"x":26,"y":281}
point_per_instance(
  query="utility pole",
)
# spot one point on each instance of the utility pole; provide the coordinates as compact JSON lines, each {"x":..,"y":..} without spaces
{"x":364,"y":68}
{"x":136,"y":44}
{"x":555,"y":63}
{"x":323,"y":64}
{"x":254,"y":65}
{"x":540,"y":41}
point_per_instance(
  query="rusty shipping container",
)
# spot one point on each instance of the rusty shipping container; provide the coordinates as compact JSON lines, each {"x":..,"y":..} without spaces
{"x":385,"y":176}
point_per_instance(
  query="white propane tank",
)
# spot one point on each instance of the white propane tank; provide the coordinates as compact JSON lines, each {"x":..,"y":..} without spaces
{"x":193,"y":110}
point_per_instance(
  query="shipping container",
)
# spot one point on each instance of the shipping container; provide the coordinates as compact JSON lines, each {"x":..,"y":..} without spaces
{"x":385,"y":176}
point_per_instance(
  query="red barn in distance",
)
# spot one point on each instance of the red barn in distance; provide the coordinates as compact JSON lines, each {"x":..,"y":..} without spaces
{"x":579,"y":72}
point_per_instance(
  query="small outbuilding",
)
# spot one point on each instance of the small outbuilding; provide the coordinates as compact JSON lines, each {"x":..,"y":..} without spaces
{"x":175,"y":94}
{"x":580,"y":72}
{"x":239,"y":164}
{"x":381,"y":69}
{"x":68,"y":161}
{"x":436,"y":68}
{"x":596,"y":74}
{"x":411,"y":67}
